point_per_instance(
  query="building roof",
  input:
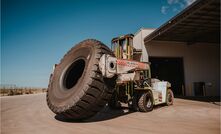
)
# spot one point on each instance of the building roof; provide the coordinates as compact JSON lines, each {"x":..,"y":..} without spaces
{"x":200,"y":22}
{"x":141,"y":29}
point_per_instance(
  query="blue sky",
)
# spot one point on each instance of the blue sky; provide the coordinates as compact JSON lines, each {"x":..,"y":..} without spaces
{"x":35,"y":34}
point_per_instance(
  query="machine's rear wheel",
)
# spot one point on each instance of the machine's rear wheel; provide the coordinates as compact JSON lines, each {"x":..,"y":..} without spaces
{"x":170,"y":97}
{"x":145,"y":102}
{"x":77,"y":89}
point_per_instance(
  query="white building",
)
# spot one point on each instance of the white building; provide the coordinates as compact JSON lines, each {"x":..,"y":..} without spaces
{"x":186,"y":49}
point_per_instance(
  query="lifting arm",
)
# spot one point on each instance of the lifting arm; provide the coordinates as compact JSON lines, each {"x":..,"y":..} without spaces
{"x":126,"y":70}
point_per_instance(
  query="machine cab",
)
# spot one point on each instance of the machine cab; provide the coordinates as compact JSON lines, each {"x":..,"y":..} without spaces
{"x":123,"y":46}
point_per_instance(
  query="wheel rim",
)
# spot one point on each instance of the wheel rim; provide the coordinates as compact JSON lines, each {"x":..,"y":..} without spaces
{"x":169,"y":97}
{"x":73,"y":73}
{"x":148,"y":102}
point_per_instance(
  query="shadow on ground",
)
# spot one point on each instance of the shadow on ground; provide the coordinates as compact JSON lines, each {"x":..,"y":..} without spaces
{"x":105,"y":114}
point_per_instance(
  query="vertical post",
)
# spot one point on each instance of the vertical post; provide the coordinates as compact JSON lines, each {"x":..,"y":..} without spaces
{"x":128,"y":47}
{"x":118,"y":49}
{"x":132,"y":87}
{"x":149,"y":73}
{"x":115,"y":48}
{"x":126,"y":43}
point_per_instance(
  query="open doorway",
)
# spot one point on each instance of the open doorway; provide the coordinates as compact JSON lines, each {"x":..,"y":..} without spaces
{"x":169,"y":69}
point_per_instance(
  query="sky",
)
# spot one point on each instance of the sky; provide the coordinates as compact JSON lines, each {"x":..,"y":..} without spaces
{"x":35,"y":34}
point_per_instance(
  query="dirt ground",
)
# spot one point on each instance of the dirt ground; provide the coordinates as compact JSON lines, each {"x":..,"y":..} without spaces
{"x":27,"y":114}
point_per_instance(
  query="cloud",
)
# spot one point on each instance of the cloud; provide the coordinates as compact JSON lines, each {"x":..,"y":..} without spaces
{"x":181,"y":2}
{"x":175,"y":9}
{"x":175,"y":5}
{"x":170,"y":2}
{"x":189,"y":2}
{"x":164,"y":9}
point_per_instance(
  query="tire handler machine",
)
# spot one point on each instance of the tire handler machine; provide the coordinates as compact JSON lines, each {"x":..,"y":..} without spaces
{"x":91,"y":75}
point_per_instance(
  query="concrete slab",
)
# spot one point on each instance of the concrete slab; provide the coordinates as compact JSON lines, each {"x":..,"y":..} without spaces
{"x":27,"y":114}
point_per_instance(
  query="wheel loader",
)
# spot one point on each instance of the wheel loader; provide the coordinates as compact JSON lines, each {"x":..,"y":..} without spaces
{"x":91,"y":75}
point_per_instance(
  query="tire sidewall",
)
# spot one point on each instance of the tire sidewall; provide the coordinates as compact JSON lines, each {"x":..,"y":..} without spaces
{"x":170,"y":92}
{"x":58,"y":95}
{"x":148,"y":95}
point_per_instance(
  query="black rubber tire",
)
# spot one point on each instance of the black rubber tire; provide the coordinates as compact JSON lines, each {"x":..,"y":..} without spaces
{"x":143,"y":100}
{"x":77,"y":89}
{"x":170,"y":97}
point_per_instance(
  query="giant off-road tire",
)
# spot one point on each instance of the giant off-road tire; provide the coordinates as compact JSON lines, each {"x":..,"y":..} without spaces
{"x":77,"y":89}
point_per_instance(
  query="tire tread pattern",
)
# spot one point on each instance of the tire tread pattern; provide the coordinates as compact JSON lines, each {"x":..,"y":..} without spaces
{"x":97,"y":93}
{"x":142,"y":102}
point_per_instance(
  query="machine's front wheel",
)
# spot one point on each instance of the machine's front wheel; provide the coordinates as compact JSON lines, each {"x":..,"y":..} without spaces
{"x":145,"y":102}
{"x":170,"y":97}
